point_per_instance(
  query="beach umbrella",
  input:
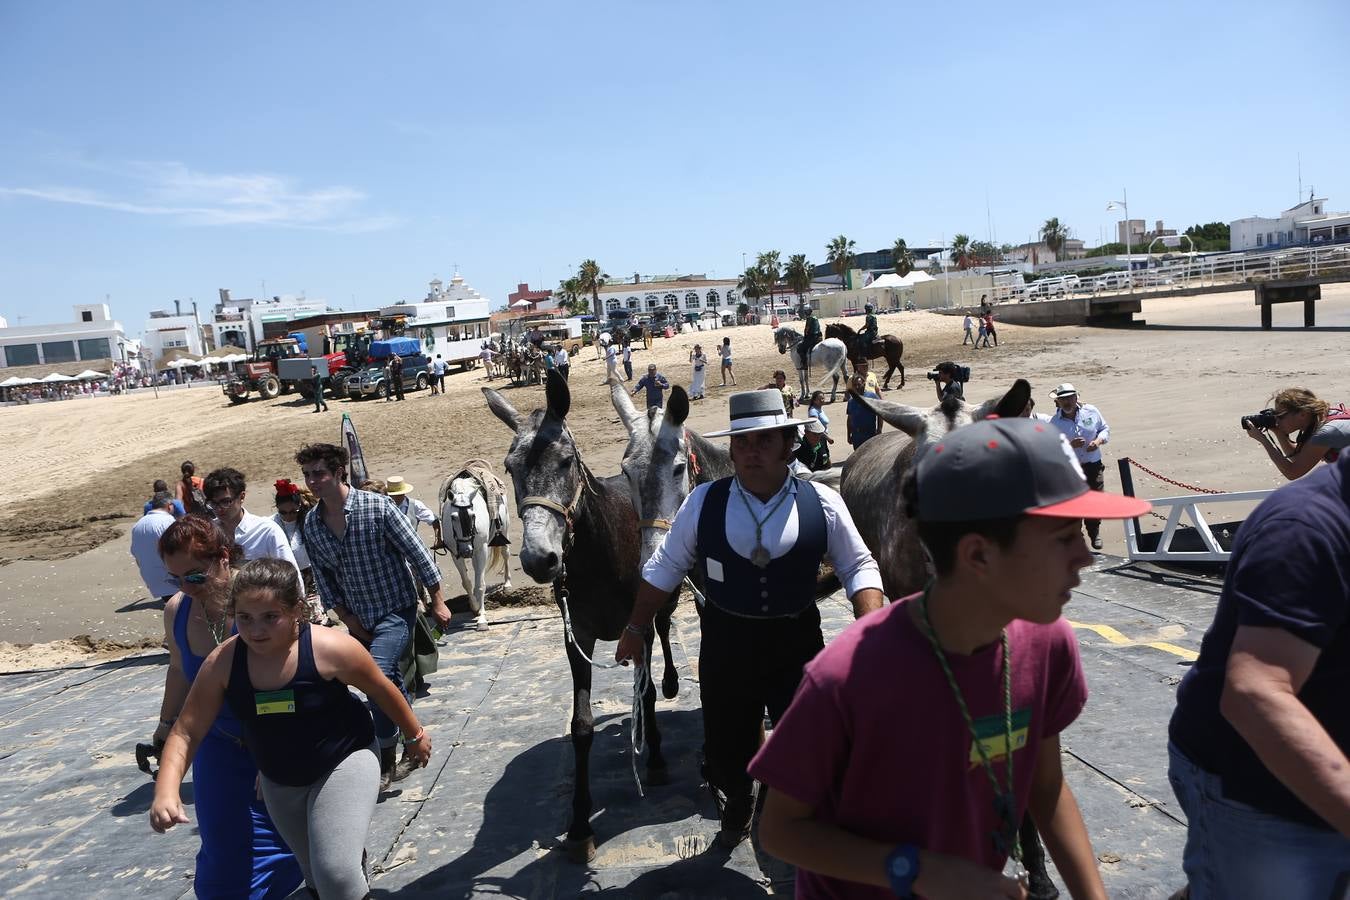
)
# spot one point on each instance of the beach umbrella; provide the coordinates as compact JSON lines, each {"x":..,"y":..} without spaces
{"x":90,"y":375}
{"x":56,"y":377}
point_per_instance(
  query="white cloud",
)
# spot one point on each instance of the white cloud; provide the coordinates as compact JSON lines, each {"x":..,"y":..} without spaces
{"x":175,"y":191}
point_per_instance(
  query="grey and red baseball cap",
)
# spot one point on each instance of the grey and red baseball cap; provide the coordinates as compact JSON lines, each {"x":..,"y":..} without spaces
{"x":1001,"y":468}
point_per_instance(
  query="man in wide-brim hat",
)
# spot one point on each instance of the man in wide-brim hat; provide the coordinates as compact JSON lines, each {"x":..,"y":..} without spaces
{"x":757,"y":539}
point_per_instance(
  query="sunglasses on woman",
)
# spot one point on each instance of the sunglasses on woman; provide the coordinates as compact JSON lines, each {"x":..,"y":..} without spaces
{"x":189,"y":578}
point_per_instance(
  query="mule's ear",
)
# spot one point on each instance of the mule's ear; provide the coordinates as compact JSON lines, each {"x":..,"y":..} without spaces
{"x":909,"y":419}
{"x":502,"y":409}
{"x":559,"y":397}
{"x":623,"y":405}
{"x":677,"y":408}
{"x":1009,"y":406}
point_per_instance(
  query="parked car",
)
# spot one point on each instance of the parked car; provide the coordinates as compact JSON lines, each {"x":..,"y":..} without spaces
{"x":370,"y":381}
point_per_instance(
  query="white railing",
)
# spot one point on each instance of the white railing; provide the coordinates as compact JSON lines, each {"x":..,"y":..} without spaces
{"x":1185,"y":272}
{"x":1178,"y":508}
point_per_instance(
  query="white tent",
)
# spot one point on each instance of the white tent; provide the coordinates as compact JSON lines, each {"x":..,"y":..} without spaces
{"x":16,"y":381}
{"x":57,"y":376}
{"x":892,"y":280}
{"x":179,"y":363}
{"x":520,"y":304}
{"x":90,"y":375}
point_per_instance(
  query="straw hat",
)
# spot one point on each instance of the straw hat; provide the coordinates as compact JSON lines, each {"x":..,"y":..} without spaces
{"x":397,"y":487}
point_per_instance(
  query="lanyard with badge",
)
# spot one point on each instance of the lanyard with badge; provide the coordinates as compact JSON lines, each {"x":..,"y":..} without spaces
{"x":1005,"y":799}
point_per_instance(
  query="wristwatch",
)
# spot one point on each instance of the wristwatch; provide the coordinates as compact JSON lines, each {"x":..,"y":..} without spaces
{"x":902,"y":868}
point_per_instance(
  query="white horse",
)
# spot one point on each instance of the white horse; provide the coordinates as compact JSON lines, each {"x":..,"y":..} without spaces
{"x":464,"y":505}
{"x":830,"y":355}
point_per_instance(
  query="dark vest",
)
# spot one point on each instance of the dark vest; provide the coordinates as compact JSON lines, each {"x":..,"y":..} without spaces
{"x":787,"y":586}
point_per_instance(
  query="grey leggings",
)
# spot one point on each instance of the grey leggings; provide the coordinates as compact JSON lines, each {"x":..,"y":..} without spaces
{"x":325,"y":823}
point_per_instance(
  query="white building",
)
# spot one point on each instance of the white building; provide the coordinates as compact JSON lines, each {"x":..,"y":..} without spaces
{"x":93,"y":336}
{"x":448,"y":315}
{"x":694,"y":293}
{"x":241,"y":323}
{"x":166,"y":331}
{"x":1307,"y":223}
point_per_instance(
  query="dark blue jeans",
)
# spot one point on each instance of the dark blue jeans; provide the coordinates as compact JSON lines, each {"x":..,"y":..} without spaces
{"x":388,"y":639}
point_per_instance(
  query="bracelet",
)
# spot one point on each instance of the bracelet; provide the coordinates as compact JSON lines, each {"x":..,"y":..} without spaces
{"x":633,"y":629}
{"x":902,"y":868}
{"x":417,"y":738}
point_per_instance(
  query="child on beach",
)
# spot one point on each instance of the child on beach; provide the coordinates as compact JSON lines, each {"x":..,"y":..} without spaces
{"x":314,"y":742}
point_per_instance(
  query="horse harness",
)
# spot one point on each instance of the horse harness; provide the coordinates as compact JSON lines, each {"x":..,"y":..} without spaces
{"x":693,"y":472}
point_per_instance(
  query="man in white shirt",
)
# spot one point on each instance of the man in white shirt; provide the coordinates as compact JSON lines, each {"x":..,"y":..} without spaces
{"x":758,"y":540}
{"x":1087,"y":431}
{"x":611,"y":363}
{"x":486,"y":355}
{"x":438,"y":375}
{"x":145,"y":545}
{"x":260,"y":537}
{"x":417,"y":512}
{"x":562,"y":361}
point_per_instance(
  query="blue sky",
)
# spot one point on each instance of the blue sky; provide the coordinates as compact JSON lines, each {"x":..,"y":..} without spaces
{"x":352,"y":151}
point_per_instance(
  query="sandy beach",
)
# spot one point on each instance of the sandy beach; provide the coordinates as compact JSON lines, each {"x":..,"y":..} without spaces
{"x":79,"y":471}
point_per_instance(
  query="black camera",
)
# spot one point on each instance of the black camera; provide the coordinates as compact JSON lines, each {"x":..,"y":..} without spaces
{"x":957,"y":373}
{"x":1265,"y":419}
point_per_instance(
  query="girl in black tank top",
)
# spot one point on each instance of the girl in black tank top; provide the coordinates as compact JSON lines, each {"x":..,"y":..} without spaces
{"x":312,"y":739}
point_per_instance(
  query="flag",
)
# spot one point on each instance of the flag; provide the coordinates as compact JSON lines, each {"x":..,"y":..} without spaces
{"x":356,"y":465}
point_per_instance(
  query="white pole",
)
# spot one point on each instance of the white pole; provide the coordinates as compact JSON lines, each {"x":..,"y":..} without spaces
{"x":1129,"y":266}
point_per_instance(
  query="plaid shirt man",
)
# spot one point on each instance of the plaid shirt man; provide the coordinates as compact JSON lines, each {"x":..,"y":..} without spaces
{"x":367,"y":572}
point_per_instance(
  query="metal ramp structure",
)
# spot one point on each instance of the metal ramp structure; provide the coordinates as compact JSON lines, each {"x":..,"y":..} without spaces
{"x":484,"y":820}
{"x":1184,"y":524}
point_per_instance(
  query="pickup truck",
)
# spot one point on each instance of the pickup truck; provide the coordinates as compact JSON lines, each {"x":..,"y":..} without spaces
{"x":370,"y":381}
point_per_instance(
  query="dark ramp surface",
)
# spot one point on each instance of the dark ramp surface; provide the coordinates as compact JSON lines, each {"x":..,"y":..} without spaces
{"x":485,"y":819}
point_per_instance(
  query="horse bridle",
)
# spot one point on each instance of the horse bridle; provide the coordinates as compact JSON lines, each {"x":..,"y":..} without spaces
{"x":693,"y":473}
{"x":567,"y":512}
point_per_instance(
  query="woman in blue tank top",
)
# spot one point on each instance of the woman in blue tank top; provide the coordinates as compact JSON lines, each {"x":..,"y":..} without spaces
{"x":313,"y":740}
{"x":242,"y":855}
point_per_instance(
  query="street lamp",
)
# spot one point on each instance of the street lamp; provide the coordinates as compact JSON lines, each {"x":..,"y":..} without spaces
{"x":1124,"y":204}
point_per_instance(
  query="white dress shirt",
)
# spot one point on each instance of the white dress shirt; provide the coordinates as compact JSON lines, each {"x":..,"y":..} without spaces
{"x":675,"y":556}
{"x":1087,"y":424}
{"x":262,"y":538}
{"x":415,"y":510}
{"x":292,"y":532}
{"x":145,"y":548}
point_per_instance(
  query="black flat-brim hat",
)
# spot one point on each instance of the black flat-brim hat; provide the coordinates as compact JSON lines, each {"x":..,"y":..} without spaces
{"x":1001,"y":468}
{"x":757,"y":411}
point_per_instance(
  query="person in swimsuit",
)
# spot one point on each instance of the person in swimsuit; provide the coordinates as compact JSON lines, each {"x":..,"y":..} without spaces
{"x":286,"y":683}
{"x":242,"y":854}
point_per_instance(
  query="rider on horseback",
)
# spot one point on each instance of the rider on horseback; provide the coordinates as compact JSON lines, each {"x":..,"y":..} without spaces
{"x":812,"y":335}
{"x":868,"y":334}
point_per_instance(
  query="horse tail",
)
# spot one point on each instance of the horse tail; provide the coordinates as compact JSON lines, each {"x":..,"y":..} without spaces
{"x":835,"y":370}
{"x":499,"y":555}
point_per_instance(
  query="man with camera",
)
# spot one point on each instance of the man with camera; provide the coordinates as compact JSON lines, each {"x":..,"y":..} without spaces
{"x":950,"y":380}
{"x":1086,"y":431}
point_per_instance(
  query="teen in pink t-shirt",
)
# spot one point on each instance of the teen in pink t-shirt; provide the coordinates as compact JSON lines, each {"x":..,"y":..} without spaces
{"x":920,"y":737}
{"x":874,"y":743}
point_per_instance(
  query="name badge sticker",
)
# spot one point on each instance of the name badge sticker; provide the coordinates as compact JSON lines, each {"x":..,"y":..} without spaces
{"x":715,"y":570}
{"x":267,"y":703}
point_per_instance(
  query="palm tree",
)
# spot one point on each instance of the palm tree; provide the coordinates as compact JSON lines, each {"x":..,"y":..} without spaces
{"x":580,"y":306}
{"x":839,"y":254}
{"x":903,"y":259}
{"x":961,"y":250}
{"x":798,"y":275}
{"x":590,"y":280}
{"x":1054,"y":235}
{"x":569,"y":289}
{"x":751,"y":284}
{"x":769,"y":264}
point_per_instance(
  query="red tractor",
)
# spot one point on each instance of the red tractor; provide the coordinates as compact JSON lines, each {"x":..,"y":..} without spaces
{"x":260,"y":375}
